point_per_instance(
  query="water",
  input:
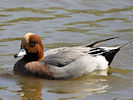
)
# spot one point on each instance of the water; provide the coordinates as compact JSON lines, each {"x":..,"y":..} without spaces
{"x":66,"y":23}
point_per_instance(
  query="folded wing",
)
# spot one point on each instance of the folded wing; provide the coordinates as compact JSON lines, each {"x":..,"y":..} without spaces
{"x":63,"y":57}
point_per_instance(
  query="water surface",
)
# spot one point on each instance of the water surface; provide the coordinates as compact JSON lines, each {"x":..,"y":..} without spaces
{"x":67,"y":23}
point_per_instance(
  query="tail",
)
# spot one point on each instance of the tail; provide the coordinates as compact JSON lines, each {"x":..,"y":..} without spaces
{"x":107,"y":52}
{"x":124,"y":45}
{"x":110,"y":53}
{"x":97,"y":43}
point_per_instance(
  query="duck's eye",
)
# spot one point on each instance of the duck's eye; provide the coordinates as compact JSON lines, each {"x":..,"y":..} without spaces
{"x":32,"y":44}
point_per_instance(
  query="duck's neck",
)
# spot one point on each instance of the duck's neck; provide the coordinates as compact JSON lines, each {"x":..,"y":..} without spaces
{"x":33,"y":57}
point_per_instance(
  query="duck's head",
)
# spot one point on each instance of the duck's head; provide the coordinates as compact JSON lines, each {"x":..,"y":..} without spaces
{"x":31,"y":48}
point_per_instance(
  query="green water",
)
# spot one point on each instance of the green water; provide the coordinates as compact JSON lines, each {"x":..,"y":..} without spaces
{"x":67,"y":23}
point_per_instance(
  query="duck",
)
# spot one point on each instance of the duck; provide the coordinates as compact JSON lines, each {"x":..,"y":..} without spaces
{"x":63,"y":62}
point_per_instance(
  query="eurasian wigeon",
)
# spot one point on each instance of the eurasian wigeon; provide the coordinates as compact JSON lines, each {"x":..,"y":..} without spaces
{"x":64,"y":62}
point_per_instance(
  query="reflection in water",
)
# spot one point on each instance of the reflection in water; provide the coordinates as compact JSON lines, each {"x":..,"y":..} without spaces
{"x":34,"y":88}
{"x":28,"y":88}
{"x":79,"y":87}
{"x":31,"y":88}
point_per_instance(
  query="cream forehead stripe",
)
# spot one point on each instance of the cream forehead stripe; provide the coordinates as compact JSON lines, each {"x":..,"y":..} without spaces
{"x":26,"y":36}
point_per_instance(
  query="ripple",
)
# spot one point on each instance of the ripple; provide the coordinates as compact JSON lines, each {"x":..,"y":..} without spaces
{"x":100,"y":12}
{"x":7,"y":54}
{"x":4,"y":45}
{"x":2,"y":29}
{"x":124,"y":30}
{"x":20,"y":9}
{"x":74,"y":29}
{"x":1,"y":15}
{"x":30,"y":19}
{"x":95,"y":23}
{"x":58,"y":22}
{"x":61,"y":15}
{"x":3,"y":88}
{"x":35,"y":19}
{"x":120,"y":71}
{"x":9,"y":39}
{"x":110,"y":19}
{"x":1,"y":25}
{"x":57,"y":8}
{"x":89,"y":23}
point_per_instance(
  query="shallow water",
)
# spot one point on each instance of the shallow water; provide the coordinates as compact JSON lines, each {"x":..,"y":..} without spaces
{"x":67,"y":23}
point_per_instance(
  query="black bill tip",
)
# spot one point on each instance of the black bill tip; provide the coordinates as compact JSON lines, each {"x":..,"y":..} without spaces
{"x":16,"y":55}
